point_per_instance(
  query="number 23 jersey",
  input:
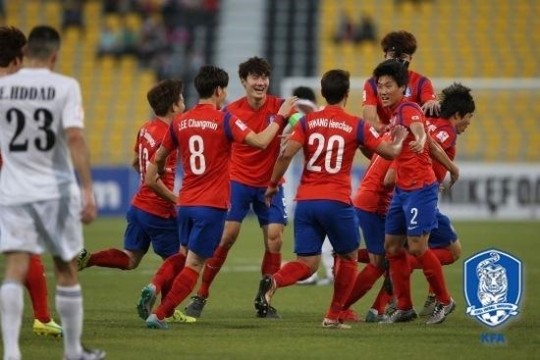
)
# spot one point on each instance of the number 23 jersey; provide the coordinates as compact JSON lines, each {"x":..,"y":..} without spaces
{"x":36,"y":106}
{"x":330,"y":138}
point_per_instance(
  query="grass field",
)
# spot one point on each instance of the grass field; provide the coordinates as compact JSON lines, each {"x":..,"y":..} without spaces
{"x":229,"y":329}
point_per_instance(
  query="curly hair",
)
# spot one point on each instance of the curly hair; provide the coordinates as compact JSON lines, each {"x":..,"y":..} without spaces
{"x":400,"y":42}
{"x":12,"y":42}
{"x":255,"y":66}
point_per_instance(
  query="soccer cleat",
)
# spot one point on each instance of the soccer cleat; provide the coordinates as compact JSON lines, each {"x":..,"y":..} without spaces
{"x":325,"y":281}
{"x":440,"y":312}
{"x":267,"y":287}
{"x":271,"y":314}
{"x":146,"y":301}
{"x":154,"y":323}
{"x":82,"y":259}
{"x":400,"y":316}
{"x":349,"y":315}
{"x":373,"y":316}
{"x":334,"y":324}
{"x":391,"y":307}
{"x":47,"y":329}
{"x":89,"y":354}
{"x":179,"y":317}
{"x":196,"y":306}
{"x":429,"y":305}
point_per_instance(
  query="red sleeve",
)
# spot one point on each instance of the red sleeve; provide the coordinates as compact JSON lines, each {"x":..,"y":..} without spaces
{"x":238,"y":129}
{"x":411,"y":114}
{"x":136,"y":146}
{"x":427,"y":92}
{"x":368,"y":136}
{"x":170,"y":140}
{"x":299,"y":131}
{"x":370,"y":92}
{"x":444,"y":136}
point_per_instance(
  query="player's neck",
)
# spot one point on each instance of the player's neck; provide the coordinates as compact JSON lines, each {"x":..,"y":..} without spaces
{"x":256,"y":103}
{"x":210,"y":101}
{"x":4,"y":72}
{"x":166,"y":119}
{"x":40,"y":64}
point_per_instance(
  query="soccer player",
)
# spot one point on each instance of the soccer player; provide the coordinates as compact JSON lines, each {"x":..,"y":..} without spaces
{"x":401,"y":46}
{"x":329,"y":139}
{"x":250,"y":172}
{"x":203,"y":137}
{"x":12,"y":43}
{"x":412,"y":212}
{"x":457,"y":108}
{"x":42,"y":141}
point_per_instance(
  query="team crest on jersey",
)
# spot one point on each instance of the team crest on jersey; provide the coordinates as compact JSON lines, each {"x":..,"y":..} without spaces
{"x":442,"y":136}
{"x":408,"y":92}
{"x":493,"y":286}
{"x":240,"y":124}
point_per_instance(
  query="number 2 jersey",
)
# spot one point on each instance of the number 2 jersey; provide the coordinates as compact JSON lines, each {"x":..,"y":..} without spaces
{"x":36,"y":106}
{"x":330,"y":138}
{"x":204,"y":136}
{"x":148,"y":140}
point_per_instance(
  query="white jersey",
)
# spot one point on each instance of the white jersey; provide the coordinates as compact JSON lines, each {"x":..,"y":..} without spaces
{"x":36,"y":105}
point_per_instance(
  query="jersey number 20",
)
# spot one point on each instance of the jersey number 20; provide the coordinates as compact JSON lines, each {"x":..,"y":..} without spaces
{"x":334,"y":153}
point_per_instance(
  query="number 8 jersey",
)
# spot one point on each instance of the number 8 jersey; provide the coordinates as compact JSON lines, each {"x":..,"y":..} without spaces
{"x":330,"y":138}
{"x":36,"y":105}
{"x":204,"y":136}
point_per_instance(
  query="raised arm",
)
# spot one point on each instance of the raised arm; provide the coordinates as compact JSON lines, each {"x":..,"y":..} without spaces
{"x":81,"y":161}
{"x":438,"y":153}
{"x":280,"y":168}
{"x":153,"y":175}
{"x":390,"y":150}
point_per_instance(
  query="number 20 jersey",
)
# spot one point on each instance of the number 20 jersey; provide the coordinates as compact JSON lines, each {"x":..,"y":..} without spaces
{"x":36,"y":106}
{"x":330,"y":138}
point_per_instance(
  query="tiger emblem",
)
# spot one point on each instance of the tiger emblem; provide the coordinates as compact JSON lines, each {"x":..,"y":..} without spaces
{"x":492,"y":284}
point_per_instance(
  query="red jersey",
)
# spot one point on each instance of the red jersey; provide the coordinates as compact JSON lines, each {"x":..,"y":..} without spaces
{"x":148,"y":141}
{"x":442,"y":131}
{"x":372,"y":195}
{"x":249,"y":165}
{"x":413,"y":171}
{"x":419,"y":90}
{"x":203,"y":136}
{"x":330,"y":138}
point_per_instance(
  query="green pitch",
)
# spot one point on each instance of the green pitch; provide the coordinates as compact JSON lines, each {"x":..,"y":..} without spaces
{"x":229,"y":329}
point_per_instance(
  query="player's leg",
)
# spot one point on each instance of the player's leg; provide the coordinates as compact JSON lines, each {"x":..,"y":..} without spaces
{"x":136,"y":244}
{"x":204,"y":234}
{"x":272,"y":220}
{"x":327,"y":260}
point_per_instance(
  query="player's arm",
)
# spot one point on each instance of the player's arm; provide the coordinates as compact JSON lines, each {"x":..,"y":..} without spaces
{"x":135,"y":163}
{"x":437,"y":152}
{"x":280,"y":168}
{"x":420,"y":137}
{"x":430,"y":103}
{"x":390,"y":177}
{"x":390,"y":150}
{"x":81,"y":161}
{"x":154,"y":172}
{"x":369,"y":114}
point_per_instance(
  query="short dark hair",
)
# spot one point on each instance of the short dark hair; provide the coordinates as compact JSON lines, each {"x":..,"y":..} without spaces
{"x":12,"y":42}
{"x":394,"y":69}
{"x":255,"y":66}
{"x":335,"y":85}
{"x":304,"y":92}
{"x":43,"y":41}
{"x":400,"y":42}
{"x":456,"y":98}
{"x":164,"y":95}
{"x":208,"y":79}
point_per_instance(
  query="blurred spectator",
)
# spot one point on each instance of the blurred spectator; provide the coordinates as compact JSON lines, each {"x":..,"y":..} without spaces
{"x":73,"y":15}
{"x":345,"y":29}
{"x":118,"y":6}
{"x":127,"y":39}
{"x":366,"y":30}
{"x":108,"y":43}
{"x":152,"y":41}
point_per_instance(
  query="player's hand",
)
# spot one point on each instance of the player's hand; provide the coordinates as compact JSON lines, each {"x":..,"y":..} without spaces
{"x":431,"y":108}
{"x":399,"y":133}
{"x":287,"y":106}
{"x":416,"y":146}
{"x":89,"y":210}
{"x":454,"y":176}
{"x":269,"y":194}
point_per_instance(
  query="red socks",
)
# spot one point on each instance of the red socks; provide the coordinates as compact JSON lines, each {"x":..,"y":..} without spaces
{"x":181,"y":288}
{"x":211,"y":269}
{"x":37,"y":287}
{"x":382,"y":299}
{"x":400,"y":274}
{"x":343,"y":284}
{"x":444,"y":255}
{"x":271,"y":263}
{"x":363,"y":256}
{"x":167,"y":272}
{"x":433,"y":272}
{"x":290,"y":273}
{"x":364,"y":281}
{"x":110,"y":258}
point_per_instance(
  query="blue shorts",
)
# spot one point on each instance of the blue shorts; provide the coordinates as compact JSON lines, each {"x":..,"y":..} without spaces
{"x":144,"y":228}
{"x":201,"y":228}
{"x":242,"y":196}
{"x":444,"y":235}
{"x":372,"y":226}
{"x":314,"y":219}
{"x":413,"y":213}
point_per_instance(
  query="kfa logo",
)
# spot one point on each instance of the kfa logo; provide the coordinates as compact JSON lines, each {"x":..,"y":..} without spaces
{"x":493,"y":286}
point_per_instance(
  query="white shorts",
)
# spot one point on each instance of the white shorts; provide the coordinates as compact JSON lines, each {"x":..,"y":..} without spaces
{"x":53,"y":225}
